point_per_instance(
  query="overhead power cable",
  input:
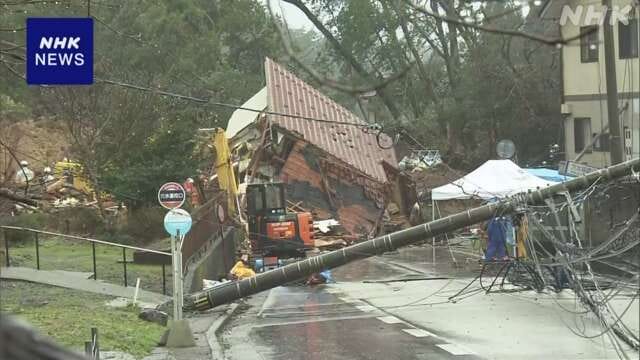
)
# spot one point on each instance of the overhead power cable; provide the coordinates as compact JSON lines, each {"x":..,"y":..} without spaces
{"x":232,"y":106}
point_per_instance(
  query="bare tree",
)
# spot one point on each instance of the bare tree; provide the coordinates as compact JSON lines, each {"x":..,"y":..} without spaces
{"x":103,"y":124}
{"x":422,"y":34}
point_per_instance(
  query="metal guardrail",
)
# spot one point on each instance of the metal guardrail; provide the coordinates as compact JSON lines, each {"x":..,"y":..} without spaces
{"x":93,"y":242}
{"x":85,"y":239}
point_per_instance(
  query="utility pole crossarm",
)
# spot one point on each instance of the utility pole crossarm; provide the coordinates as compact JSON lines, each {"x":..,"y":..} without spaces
{"x":235,"y":290}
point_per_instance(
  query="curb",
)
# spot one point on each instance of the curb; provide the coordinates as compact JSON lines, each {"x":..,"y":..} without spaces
{"x":215,"y":343}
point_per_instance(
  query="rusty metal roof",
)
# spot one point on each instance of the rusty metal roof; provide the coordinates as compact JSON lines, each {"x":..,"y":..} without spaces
{"x":288,"y":94}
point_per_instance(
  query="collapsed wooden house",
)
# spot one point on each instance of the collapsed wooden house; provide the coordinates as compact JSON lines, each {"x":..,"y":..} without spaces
{"x":330,"y":165}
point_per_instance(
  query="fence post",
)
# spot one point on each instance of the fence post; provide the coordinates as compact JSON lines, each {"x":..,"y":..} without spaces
{"x":93,"y":253}
{"x":6,"y":246}
{"x":164,"y":281}
{"x":124,"y":263}
{"x":37,"y":252}
{"x":87,"y":349}
{"x":96,"y":344}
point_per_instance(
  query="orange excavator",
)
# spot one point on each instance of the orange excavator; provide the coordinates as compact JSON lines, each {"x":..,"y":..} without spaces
{"x":274,"y":233}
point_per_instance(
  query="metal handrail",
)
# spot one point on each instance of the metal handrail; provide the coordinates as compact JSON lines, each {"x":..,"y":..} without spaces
{"x":85,"y":239}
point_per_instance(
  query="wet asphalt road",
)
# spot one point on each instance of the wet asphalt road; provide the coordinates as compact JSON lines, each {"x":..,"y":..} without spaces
{"x":299,"y":322}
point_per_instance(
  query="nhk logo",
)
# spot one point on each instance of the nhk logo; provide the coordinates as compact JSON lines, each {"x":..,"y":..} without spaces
{"x":59,"y":51}
{"x":53,"y":58}
{"x":583,"y":15}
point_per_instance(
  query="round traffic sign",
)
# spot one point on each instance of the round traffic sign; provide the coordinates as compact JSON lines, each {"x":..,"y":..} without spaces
{"x":171,"y":195}
{"x":177,"y":221}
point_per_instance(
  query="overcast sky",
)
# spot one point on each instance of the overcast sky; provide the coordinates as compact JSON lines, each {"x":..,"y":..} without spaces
{"x":297,"y":20}
{"x":294,"y":17}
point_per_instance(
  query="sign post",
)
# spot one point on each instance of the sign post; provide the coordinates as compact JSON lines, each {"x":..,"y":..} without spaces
{"x":177,"y":222}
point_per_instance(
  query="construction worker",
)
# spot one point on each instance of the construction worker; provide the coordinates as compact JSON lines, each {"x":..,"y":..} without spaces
{"x":191,"y":190}
{"x":24,"y":175}
{"x":47,"y":176}
{"x":241,"y":270}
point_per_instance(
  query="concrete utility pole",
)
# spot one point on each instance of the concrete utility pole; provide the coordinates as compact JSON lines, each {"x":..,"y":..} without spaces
{"x":235,"y":290}
{"x":612,"y":86}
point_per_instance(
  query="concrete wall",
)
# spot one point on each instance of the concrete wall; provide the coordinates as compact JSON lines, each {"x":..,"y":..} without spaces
{"x":213,"y":262}
{"x":603,"y":213}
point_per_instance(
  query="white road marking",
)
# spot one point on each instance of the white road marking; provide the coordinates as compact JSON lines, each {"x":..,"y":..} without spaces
{"x":454,"y":349}
{"x":419,"y":333}
{"x":365,"y":308}
{"x":268,"y":302}
{"x":390,"y":320}
{"x":351,"y":300}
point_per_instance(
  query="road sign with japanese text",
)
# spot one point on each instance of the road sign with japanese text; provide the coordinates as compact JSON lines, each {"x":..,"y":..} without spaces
{"x":171,"y":195}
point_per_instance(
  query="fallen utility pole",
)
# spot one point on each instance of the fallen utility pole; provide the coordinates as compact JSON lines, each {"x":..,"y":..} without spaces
{"x":235,"y":290}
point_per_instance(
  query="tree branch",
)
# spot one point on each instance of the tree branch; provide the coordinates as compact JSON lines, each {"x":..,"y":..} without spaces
{"x":331,"y":82}
{"x":422,"y":72}
{"x":388,"y":101}
{"x":490,"y":29}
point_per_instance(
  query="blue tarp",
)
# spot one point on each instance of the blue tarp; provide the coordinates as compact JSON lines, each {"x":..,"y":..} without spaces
{"x":548,"y":174}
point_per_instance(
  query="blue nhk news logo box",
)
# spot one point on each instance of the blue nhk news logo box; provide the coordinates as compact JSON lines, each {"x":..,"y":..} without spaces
{"x":59,"y":51}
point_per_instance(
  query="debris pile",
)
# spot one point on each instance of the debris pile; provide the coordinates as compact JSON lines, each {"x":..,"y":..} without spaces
{"x":420,"y":160}
{"x":333,"y":171}
{"x":330,"y":235}
{"x":437,"y":175}
{"x":394,"y":220}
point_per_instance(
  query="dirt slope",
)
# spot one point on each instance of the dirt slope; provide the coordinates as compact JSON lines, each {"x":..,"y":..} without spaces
{"x":41,"y":143}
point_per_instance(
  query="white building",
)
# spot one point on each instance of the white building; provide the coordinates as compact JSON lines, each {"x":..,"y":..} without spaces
{"x":584,"y":106}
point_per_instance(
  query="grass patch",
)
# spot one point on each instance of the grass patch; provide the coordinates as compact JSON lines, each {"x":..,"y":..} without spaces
{"x":76,"y":255}
{"x":68,"y":316}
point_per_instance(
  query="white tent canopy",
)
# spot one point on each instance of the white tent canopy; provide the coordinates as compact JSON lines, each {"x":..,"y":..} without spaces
{"x":493,"y":179}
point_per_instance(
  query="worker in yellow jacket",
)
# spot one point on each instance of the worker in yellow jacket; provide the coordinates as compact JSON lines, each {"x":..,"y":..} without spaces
{"x":241,"y":270}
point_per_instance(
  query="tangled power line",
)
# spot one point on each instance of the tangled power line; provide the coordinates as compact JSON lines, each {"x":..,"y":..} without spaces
{"x":560,"y":258}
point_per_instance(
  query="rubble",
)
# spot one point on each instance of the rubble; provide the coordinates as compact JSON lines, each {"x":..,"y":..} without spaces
{"x":324,"y":226}
{"x":208,"y":284}
{"x":333,"y":171}
{"x":154,"y":316}
{"x":394,"y":220}
{"x":438,"y":175}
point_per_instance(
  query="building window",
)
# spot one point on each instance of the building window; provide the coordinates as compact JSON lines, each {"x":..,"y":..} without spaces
{"x":581,"y":133}
{"x":589,"y":44}
{"x":628,"y":39}
{"x":602,"y":143}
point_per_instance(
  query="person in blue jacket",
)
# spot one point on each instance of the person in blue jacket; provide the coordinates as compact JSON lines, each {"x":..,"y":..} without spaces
{"x":496,"y":231}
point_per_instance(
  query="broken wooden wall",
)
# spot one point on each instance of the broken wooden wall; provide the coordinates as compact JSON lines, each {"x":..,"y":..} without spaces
{"x":331,"y":189}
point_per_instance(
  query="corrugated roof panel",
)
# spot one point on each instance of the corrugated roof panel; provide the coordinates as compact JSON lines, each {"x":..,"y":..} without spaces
{"x":290,"y":95}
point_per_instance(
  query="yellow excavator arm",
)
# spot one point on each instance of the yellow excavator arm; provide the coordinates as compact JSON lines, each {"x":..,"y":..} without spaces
{"x":224,"y":168}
